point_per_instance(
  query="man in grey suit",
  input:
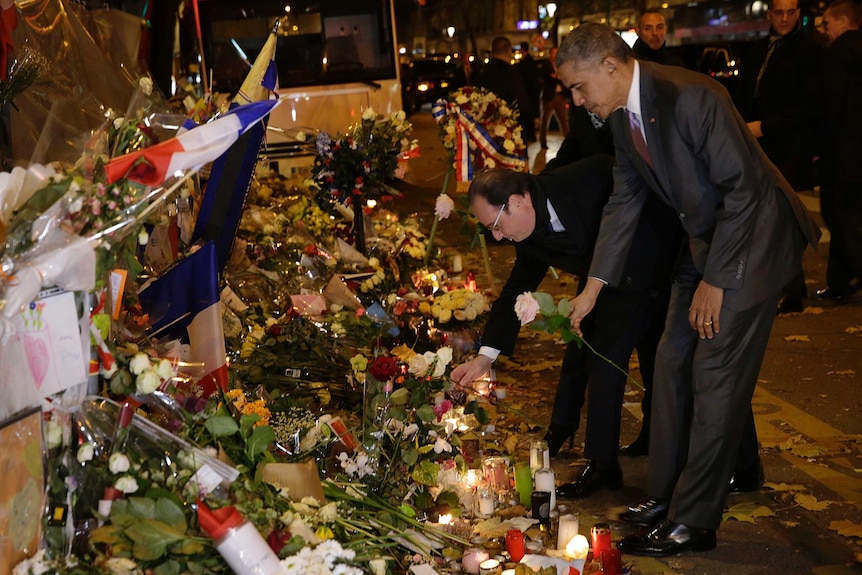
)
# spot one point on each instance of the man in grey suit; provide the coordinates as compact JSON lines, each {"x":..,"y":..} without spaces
{"x":677,"y":133}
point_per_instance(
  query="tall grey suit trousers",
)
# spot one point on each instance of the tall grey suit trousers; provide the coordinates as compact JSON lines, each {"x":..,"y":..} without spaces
{"x":702,"y":401}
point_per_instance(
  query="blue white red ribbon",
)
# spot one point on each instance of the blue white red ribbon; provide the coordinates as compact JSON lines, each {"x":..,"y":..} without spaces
{"x":467,"y":129}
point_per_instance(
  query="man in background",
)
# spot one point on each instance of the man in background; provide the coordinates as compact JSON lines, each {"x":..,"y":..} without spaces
{"x":501,"y":78}
{"x":650,"y":45}
{"x":779,"y":97}
{"x":532,"y":78}
{"x":555,"y":100}
{"x":841,"y":159}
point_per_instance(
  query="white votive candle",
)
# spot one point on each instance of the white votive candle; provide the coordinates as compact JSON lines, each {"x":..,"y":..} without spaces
{"x":568,"y":528}
{"x":544,"y":481}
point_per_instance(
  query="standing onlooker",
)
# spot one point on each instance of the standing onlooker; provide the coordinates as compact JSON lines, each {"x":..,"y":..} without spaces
{"x":652,"y":30}
{"x":679,"y":137}
{"x":500,"y":77}
{"x":780,"y":95}
{"x":841,"y":186}
{"x":529,"y":72}
{"x":555,"y":100}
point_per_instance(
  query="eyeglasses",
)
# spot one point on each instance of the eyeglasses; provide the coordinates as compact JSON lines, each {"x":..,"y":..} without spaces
{"x":495,"y":226}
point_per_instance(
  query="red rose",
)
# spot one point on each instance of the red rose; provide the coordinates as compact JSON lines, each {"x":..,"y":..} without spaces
{"x":383,"y":368}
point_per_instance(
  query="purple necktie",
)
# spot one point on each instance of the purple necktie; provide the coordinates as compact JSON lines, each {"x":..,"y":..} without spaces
{"x":638,"y":137}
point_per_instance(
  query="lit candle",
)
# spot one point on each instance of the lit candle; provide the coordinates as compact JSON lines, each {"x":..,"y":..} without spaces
{"x":482,"y":386}
{"x":497,"y":473}
{"x":500,"y":391}
{"x":489,"y":567}
{"x":487,"y":500}
{"x":578,"y":547}
{"x":457,"y":265}
{"x":544,"y":481}
{"x":568,"y":528}
{"x":445,"y":519}
{"x":471,"y":478}
{"x":472,"y":558}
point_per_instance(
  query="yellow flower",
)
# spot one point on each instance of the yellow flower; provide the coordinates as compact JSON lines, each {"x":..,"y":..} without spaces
{"x":324,"y":532}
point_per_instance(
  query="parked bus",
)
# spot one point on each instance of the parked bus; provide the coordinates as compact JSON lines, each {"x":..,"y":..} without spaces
{"x":335,"y":59}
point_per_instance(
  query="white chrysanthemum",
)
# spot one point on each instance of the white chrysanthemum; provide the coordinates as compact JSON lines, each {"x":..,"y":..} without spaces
{"x":118,"y":463}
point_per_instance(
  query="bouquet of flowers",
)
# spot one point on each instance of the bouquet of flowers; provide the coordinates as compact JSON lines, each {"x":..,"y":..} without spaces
{"x":460,"y":305}
{"x":476,"y":119}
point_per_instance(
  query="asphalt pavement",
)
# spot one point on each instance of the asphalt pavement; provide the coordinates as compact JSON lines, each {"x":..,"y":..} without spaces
{"x":808,"y":517}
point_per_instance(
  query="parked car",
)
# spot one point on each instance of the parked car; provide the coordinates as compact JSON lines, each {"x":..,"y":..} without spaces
{"x":425,"y":81}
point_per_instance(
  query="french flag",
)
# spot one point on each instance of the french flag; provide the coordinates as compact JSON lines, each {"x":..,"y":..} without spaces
{"x":184,"y":303}
{"x":191,"y":149}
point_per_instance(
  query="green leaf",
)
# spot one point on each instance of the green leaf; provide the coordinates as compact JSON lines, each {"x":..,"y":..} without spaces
{"x":426,"y":473}
{"x":407,"y":510}
{"x":170,"y":513}
{"x":546,"y":303}
{"x":540,"y":324}
{"x":188,"y":547}
{"x":169,"y":567}
{"x":568,"y":335}
{"x":555,"y":322}
{"x":142,"y":507}
{"x":409,"y":456}
{"x":246,"y":423}
{"x":564,"y":307}
{"x":399,"y":396}
{"x":152,"y":538}
{"x":449,"y":498}
{"x":482,"y":416}
{"x":221,"y":425}
{"x":426,"y":413}
{"x":398,"y":413}
{"x":121,"y":516}
{"x":259,"y":441}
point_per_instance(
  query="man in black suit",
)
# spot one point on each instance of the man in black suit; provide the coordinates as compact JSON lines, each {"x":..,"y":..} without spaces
{"x":500,"y":77}
{"x":780,"y":94}
{"x":553,"y":220}
{"x":679,"y":138}
{"x":841,"y":161}
{"x":555,"y":100}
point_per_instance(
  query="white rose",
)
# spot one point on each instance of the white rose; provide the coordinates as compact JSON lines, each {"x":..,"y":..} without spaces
{"x":444,"y":355}
{"x":140,"y":363}
{"x":369,"y":114}
{"x":441,"y":445}
{"x":378,"y":566}
{"x":417,"y":365}
{"x":53,"y":434}
{"x":147,"y":382}
{"x":126,"y":484}
{"x":461,"y":99}
{"x":146,"y":85}
{"x":166,"y":370}
{"x":444,"y":206}
{"x":118,"y":463}
{"x":85,"y":452}
{"x":118,"y":123}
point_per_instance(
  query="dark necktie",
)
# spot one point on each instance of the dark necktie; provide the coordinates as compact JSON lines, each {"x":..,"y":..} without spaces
{"x":638,"y":137}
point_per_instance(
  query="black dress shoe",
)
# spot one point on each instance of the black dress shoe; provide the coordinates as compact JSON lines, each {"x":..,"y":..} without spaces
{"x":593,"y":477}
{"x":835,"y":294}
{"x":668,"y":538}
{"x":647,"y":513}
{"x":747,"y":480}
{"x":637,"y":448}
{"x":557,"y":436}
{"x":789,"y":305}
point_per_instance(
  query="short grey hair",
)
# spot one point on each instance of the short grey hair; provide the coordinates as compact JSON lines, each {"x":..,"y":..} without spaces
{"x":589,"y":44}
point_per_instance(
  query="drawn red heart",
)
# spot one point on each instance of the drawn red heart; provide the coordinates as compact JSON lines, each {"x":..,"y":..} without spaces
{"x":37,"y":357}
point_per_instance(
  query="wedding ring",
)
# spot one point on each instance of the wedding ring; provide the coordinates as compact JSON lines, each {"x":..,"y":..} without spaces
{"x":708,"y":323}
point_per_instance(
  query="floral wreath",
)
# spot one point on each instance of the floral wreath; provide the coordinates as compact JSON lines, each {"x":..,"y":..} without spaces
{"x":479,"y":130}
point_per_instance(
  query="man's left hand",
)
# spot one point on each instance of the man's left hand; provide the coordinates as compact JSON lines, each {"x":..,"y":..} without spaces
{"x":703,"y":315}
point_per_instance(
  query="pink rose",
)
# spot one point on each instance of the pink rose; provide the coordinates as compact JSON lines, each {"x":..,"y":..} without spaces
{"x":444,"y":206}
{"x":526,"y":308}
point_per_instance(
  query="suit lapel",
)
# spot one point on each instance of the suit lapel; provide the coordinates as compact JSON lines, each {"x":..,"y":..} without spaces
{"x":651,"y":118}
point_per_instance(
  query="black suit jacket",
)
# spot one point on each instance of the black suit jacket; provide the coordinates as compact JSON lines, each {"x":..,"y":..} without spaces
{"x":842,"y":149}
{"x":505,"y":82}
{"x":746,"y":226}
{"x":787,"y":100}
{"x":578,"y":193}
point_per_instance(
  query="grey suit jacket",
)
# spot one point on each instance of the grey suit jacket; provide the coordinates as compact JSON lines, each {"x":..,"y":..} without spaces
{"x":745,"y":225}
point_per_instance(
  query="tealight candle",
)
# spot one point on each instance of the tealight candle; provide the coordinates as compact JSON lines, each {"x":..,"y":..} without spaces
{"x":487,"y":500}
{"x":568,"y":528}
{"x":490,"y":567}
{"x":471,"y":478}
{"x":578,"y":547}
{"x":472,"y":558}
